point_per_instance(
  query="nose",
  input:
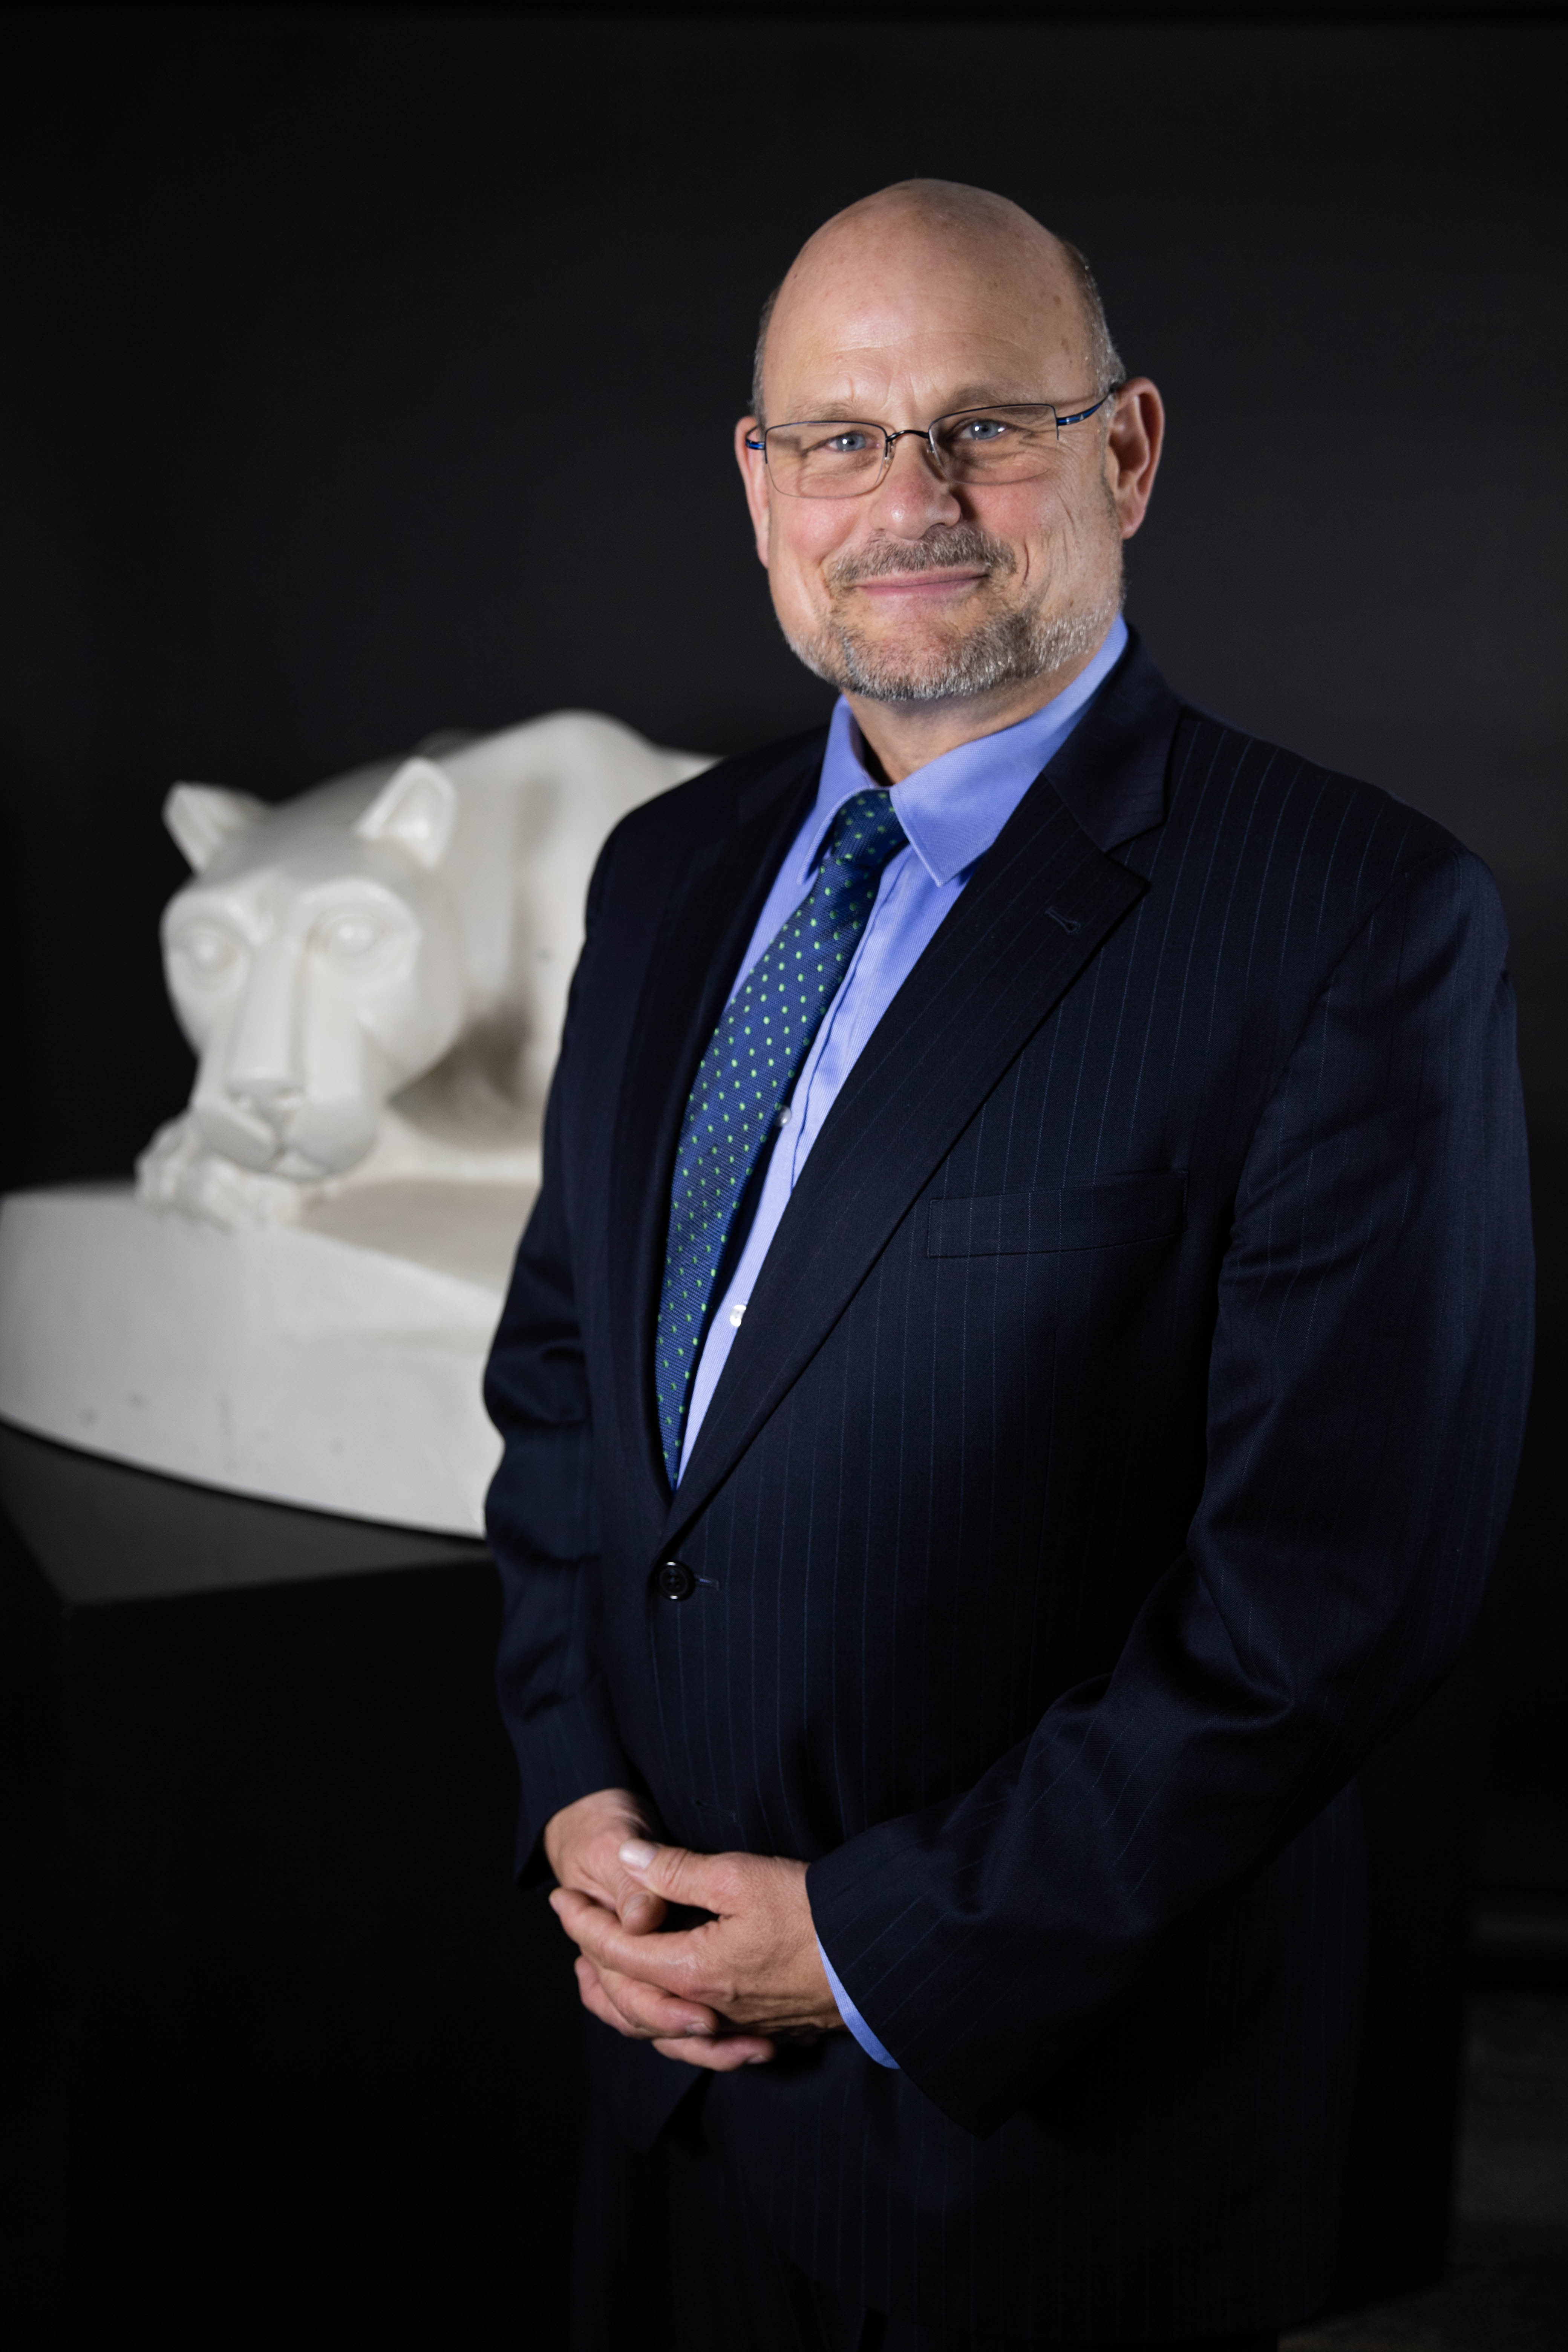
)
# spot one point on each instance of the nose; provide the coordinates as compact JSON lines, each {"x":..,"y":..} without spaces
{"x":264,"y":1091}
{"x":912,"y":495}
{"x":263,"y":1064}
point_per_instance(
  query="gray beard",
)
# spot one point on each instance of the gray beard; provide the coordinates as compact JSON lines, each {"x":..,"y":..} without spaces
{"x":1005,"y":650}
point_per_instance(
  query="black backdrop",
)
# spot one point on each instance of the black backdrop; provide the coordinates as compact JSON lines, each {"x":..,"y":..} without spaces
{"x":291,"y":295}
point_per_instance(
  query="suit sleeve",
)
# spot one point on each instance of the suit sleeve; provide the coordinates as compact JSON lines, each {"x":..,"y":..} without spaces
{"x":540,"y":1513}
{"x":1367,"y":1386}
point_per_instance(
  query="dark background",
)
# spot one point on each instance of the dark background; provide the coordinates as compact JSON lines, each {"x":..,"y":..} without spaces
{"x":290,"y":299}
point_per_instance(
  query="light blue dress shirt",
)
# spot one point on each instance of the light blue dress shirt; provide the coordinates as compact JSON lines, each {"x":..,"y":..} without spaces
{"x":951,"y":810}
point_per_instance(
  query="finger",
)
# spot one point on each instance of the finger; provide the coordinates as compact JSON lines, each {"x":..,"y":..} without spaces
{"x":672,"y":1962}
{"x":635,"y":2011}
{"x":705,"y":1881}
{"x":599,"y":1997}
{"x":638,"y":1909}
{"x":651,"y":2012}
{"x":597,"y":1873}
{"x":597,"y":2002}
{"x":607,"y":1878}
{"x":572,"y":1906}
{"x":726,"y":2056}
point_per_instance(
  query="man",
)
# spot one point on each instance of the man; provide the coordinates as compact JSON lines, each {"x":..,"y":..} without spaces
{"x":1010,"y":1392}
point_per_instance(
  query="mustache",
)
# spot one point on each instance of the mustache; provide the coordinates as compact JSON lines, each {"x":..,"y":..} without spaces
{"x":955,"y":544}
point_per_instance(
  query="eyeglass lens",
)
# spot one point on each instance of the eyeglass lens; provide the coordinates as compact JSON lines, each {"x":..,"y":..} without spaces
{"x":838,"y":459}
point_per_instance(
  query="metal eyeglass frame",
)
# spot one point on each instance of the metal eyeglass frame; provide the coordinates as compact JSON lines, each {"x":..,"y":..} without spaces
{"x":758,"y":442}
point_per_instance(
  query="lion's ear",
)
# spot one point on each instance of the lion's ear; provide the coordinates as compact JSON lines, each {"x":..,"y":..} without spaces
{"x":414,"y":808}
{"x":202,"y":817}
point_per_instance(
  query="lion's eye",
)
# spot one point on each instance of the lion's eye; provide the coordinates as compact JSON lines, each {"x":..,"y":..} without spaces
{"x":211,"y":952}
{"x":349,"y":938}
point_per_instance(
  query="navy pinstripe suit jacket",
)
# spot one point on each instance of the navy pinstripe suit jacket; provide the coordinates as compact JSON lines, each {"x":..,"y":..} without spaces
{"x":1113,"y":1455}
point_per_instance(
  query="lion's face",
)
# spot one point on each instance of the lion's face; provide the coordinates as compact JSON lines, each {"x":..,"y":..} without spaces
{"x":314,"y":965}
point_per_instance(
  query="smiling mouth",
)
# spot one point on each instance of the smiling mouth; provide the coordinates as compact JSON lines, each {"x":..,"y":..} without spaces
{"x":918,"y":584}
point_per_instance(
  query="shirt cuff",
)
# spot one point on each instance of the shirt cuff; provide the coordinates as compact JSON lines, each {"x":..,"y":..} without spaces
{"x":853,"y":2019}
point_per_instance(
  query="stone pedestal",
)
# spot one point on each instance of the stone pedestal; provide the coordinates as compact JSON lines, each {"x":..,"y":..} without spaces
{"x":334,"y":1363}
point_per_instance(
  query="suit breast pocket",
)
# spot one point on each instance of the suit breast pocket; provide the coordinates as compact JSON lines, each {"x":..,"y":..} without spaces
{"x":1115,"y":1215}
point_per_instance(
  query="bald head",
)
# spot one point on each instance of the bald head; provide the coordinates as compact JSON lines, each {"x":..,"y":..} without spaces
{"x":946,"y":475}
{"x":925,"y":240}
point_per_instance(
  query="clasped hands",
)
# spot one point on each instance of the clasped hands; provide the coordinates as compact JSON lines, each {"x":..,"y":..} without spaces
{"x":723,"y":1994}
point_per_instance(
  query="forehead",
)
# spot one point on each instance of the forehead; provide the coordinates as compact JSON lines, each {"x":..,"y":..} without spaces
{"x":279,"y":876}
{"x":285,"y":881}
{"x":310,"y":843}
{"x":950,"y":317}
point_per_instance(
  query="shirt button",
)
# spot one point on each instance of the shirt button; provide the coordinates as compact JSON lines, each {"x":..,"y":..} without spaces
{"x":673,"y":1580}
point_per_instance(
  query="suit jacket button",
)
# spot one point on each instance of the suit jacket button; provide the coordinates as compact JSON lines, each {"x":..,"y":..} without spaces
{"x":674,"y":1581}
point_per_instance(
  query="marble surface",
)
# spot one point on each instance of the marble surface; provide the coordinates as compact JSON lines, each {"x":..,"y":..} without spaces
{"x":334,"y":1363}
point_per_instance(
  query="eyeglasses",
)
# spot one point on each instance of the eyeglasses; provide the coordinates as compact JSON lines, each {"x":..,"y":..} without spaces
{"x":832,"y":457}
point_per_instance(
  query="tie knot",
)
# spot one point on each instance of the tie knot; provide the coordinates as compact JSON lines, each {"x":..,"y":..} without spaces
{"x":866,"y":831}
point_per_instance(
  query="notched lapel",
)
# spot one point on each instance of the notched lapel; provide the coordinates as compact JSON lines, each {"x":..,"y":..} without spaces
{"x":710,"y":906}
{"x":1041,"y":904}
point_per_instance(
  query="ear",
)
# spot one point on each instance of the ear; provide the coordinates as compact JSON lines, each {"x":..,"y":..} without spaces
{"x":202,"y":817}
{"x":414,"y":808}
{"x":754,"y":476}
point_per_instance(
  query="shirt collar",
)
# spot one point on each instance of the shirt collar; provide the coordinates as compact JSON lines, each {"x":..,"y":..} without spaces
{"x":954,"y":808}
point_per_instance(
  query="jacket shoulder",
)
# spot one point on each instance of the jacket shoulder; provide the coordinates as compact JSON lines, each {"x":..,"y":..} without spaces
{"x":1349,"y":841}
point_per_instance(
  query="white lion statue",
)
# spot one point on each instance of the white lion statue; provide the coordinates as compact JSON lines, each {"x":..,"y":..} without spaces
{"x":298,"y":1298}
{"x":373,"y":976}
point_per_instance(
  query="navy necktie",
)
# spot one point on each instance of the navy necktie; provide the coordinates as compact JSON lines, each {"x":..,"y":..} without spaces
{"x":762,"y":1037}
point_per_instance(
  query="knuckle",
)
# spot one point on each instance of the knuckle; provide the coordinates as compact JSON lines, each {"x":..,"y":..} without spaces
{"x":675,"y":1865}
{"x":685,"y":1977}
{"x":716,"y":1987}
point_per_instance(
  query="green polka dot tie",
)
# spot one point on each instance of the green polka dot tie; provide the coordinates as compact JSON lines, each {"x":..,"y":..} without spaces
{"x":751,"y":1062}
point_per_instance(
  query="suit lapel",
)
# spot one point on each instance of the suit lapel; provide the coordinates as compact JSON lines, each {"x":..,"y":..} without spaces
{"x":1040,"y":905}
{"x":709,"y":911}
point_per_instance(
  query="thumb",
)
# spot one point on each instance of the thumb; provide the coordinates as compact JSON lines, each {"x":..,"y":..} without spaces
{"x":672,"y":1871}
{"x":638,"y":1909}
